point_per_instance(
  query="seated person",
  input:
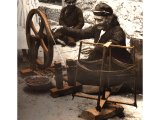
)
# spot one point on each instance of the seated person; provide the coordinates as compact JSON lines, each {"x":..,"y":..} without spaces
{"x":71,"y":16}
{"x":106,"y":30}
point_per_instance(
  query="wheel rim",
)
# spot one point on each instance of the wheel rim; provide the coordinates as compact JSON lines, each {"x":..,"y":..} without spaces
{"x":39,"y":41}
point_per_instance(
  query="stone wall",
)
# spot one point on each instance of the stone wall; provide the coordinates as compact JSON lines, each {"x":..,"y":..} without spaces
{"x":129,"y":12}
{"x":52,"y":12}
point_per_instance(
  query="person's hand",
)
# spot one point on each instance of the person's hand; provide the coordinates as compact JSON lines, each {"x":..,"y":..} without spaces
{"x":107,"y":44}
{"x":55,"y":28}
{"x":71,"y":42}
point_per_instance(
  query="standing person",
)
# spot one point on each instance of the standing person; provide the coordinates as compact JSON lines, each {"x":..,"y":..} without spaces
{"x":106,"y":30}
{"x":71,"y":16}
{"x":23,"y":8}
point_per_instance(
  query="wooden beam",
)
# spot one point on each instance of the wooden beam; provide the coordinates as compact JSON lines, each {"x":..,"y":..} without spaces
{"x":112,"y":110}
{"x":66,"y":90}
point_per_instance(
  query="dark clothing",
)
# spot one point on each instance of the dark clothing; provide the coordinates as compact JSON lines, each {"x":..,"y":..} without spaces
{"x":71,"y":17}
{"x":115,"y":34}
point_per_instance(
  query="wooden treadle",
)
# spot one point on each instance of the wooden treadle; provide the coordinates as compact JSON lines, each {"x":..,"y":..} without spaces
{"x":109,"y":109}
{"x":94,"y":97}
{"x":55,"y":92}
{"x":107,"y":94}
{"x":109,"y":112}
{"x":102,"y":102}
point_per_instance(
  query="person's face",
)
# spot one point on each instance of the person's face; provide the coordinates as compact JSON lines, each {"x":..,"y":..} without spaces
{"x":99,"y":19}
{"x":102,"y":21}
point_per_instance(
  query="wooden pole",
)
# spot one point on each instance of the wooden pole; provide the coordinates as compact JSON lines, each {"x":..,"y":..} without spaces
{"x":63,"y":3}
{"x":58,"y":75}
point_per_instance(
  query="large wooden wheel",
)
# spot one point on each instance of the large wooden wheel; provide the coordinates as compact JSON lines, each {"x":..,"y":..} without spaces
{"x":39,"y":39}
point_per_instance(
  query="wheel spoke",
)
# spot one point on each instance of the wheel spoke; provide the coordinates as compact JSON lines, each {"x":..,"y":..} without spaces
{"x":39,"y":38}
{"x":43,"y":46}
{"x":42,"y":30}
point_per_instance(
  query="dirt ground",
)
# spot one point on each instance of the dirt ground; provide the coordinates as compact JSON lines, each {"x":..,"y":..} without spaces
{"x":42,"y":106}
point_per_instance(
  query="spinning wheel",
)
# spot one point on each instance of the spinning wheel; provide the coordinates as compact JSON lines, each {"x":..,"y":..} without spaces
{"x":106,"y":72}
{"x":39,"y":39}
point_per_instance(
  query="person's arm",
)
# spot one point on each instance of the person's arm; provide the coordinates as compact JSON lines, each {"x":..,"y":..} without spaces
{"x":77,"y":33}
{"x":80,"y":20}
{"x":61,"y":18}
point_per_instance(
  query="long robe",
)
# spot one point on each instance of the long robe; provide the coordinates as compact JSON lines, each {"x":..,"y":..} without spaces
{"x":23,"y":8}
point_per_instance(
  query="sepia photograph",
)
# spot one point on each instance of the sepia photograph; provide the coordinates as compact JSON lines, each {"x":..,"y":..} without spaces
{"x":79,"y":59}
